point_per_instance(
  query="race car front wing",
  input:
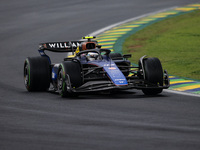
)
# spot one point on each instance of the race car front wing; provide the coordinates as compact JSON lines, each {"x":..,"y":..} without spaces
{"x":102,"y":85}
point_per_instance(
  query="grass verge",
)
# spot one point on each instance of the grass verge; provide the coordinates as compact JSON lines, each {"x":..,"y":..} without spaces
{"x":175,"y":41}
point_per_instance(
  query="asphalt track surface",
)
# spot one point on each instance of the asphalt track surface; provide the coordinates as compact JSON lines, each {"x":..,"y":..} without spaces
{"x":127,"y":120}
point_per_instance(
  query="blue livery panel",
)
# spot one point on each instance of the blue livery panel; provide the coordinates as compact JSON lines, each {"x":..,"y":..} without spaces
{"x":113,"y":72}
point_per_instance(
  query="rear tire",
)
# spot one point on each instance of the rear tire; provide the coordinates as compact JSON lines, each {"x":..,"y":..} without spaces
{"x":153,"y":74}
{"x":37,"y":73}
{"x":73,"y":70}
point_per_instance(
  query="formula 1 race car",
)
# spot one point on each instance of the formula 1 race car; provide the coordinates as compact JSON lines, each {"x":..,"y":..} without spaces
{"x":90,"y":68}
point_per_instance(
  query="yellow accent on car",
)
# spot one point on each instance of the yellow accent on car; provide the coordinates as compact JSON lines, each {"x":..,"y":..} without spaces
{"x":88,"y":37}
{"x":71,"y":56}
{"x":77,"y":50}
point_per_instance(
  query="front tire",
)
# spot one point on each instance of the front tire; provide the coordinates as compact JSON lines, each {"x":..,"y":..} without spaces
{"x":152,"y":91}
{"x":69,"y":76}
{"x":153,"y":74}
{"x":37,"y":73}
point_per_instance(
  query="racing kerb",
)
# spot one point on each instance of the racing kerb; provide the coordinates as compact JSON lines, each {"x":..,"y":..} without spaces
{"x":114,"y":36}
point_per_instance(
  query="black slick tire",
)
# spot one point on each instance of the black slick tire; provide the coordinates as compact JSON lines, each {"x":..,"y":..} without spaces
{"x":153,"y":74}
{"x":37,"y":73}
{"x":71,"y":69}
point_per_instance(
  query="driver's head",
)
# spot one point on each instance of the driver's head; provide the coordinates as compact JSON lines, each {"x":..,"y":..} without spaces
{"x":92,"y":56}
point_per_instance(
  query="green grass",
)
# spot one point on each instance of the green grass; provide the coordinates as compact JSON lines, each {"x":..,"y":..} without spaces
{"x":175,"y":41}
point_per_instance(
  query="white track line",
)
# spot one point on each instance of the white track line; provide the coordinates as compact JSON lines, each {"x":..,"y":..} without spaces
{"x":95,"y":33}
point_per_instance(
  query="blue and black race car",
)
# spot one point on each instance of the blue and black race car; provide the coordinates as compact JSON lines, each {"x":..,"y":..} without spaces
{"x":90,"y":68}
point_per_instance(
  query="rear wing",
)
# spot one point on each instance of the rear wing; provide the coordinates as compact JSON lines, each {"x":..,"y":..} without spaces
{"x":69,"y":46}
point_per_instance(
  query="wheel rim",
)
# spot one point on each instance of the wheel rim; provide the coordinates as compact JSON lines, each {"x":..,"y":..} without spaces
{"x":60,"y":81}
{"x":26,"y":75}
